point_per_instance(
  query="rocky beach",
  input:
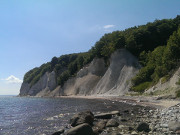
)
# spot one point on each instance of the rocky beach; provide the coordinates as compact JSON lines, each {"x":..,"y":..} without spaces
{"x":148,"y":116}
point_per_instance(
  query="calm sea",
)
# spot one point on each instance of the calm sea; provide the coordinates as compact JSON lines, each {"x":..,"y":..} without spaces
{"x":43,"y":116}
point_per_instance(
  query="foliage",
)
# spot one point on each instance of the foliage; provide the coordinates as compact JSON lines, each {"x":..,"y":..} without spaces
{"x":165,"y":78}
{"x":160,"y":62}
{"x":139,"y":40}
{"x":178,"y":93}
{"x":141,"y":87}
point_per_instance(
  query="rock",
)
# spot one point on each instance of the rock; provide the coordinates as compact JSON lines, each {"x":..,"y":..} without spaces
{"x":164,"y":125}
{"x":112,"y":123}
{"x":115,"y":113}
{"x":107,"y":115}
{"x":131,"y":128}
{"x":121,"y":126}
{"x":178,"y":132}
{"x":126,"y":111}
{"x":174,"y":126}
{"x":101,"y":124}
{"x":134,"y":133}
{"x":123,"y":120}
{"x":83,"y":129}
{"x":103,"y":116}
{"x":82,"y":117}
{"x":143,"y":127}
{"x":97,"y":131}
{"x":59,"y":132}
{"x":114,"y":133}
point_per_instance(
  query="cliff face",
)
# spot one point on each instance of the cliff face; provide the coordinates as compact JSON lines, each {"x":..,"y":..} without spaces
{"x":117,"y":79}
{"x":94,"y":79}
{"x":166,"y":88}
{"x":86,"y":79}
{"x":46,"y":83}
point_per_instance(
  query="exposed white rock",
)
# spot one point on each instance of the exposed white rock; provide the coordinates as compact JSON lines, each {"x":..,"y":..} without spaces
{"x":86,"y":79}
{"x":169,"y":85}
{"x":46,"y":83}
{"x":93,"y":79}
{"x":117,"y":79}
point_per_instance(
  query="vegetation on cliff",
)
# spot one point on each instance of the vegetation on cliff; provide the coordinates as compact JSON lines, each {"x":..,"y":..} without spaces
{"x":159,"y":63}
{"x":157,"y":55}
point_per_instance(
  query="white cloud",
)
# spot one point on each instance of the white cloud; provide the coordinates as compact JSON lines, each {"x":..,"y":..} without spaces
{"x":108,"y":26}
{"x":12,"y":79}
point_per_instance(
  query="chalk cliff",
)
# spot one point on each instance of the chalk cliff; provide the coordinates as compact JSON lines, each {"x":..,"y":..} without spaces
{"x":46,"y":83}
{"x":117,"y":79}
{"x":93,"y":79}
{"x":166,"y":88}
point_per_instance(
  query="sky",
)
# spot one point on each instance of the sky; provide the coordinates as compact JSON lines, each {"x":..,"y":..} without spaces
{"x":34,"y":31}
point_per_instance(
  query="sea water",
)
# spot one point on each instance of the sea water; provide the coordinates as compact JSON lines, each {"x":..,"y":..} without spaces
{"x":27,"y":115}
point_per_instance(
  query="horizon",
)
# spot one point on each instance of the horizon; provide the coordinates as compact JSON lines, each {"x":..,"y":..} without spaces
{"x":33,"y":32}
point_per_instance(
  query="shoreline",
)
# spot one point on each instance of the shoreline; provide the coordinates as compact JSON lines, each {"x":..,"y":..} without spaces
{"x":155,"y":112}
{"x":135,"y":100}
{"x":158,"y":116}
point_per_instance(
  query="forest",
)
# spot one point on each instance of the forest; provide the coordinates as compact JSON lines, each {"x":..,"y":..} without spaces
{"x":156,"y":45}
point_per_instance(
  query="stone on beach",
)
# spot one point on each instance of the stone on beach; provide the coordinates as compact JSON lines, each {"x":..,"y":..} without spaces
{"x":103,"y":116}
{"x":101,"y":124}
{"x":83,"y":129}
{"x":106,"y":115}
{"x":174,"y":126}
{"x":112,"y":123}
{"x":61,"y":131}
{"x":143,"y":127}
{"x":114,"y":133}
{"x":82,"y":117}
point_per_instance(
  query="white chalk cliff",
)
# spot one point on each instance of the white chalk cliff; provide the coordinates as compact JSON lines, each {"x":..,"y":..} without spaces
{"x":46,"y":83}
{"x":166,"y":88}
{"x":93,"y":79}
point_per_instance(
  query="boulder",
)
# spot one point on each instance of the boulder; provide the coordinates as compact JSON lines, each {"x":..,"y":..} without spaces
{"x":174,"y":126}
{"x":83,"y":129}
{"x":61,"y":131}
{"x":97,"y":131}
{"x":112,"y":123}
{"x":101,"y":124}
{"x":143,"y":127}
{"x":82,"y":117}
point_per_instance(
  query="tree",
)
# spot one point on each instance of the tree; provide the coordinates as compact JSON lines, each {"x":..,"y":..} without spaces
{"x":54,"y":61}
{"x":120,"y":43}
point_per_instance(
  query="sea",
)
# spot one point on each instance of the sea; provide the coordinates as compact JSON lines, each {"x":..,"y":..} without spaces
{"x":44,"y":116}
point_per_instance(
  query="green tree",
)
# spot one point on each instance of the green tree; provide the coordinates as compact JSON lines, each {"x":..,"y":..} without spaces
{"x":54,"y":61}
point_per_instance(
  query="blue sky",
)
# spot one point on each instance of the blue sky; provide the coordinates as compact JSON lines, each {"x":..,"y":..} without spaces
{"x":32,"y":32}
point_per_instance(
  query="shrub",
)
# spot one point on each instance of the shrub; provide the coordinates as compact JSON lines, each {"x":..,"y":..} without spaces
{"x":141,"y":87}
{"x":178,"y":93}
{"x":178,"y":82}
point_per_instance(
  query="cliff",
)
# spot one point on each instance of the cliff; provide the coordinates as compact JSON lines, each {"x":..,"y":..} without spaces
{"x":166,"y":88}
{"x":93,"y":79}
{"x":46,"y":84}
{"x":117,"y":79}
